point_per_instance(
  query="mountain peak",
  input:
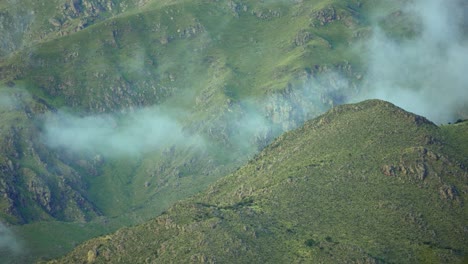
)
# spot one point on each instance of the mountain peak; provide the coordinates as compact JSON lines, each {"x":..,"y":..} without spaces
{"x":361,"y":183}
{"x":378,"y":106}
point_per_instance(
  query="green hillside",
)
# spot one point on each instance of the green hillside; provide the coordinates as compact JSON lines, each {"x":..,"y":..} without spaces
{"x":111,"y":111}
{"x":363,"y":183}
{"x":218,"y":68}
{"x":28,"y":22}
{"x":209,"y":67}
{"x":173,"y":55}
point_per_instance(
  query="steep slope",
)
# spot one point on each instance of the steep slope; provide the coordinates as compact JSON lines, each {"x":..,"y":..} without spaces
{"x":33,"y":183}
{"x":169,"y":54}
{"x":363,"y":183}
{"x":218,"y":67}
{"x":141,"y":58}
{"x":113,"y":110}
{"x":24,"y":23}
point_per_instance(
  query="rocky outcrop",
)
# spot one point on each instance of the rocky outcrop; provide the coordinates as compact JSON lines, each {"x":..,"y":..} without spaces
{"x":266,"y":14}
{"x":420,"y":165}
{"x":302,"y":38}
{"x":331,"y":14}
{"x":38,"y":188}
{"x":326,"y":16}
{"x":36,"y":183}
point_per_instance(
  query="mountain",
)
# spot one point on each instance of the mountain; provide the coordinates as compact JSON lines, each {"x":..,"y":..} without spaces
{"x":362,"y":183}
{"x":113,"y":110}
{"x":233,"y":74}
{"x":26,"y":22}
{"x":169,"y":54}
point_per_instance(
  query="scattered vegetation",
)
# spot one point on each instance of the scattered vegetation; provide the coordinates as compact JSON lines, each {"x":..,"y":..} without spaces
{"x":213,"y":60}
{"x":318,"y":194}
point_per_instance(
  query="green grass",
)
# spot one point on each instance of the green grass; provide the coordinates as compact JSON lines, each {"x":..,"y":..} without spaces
{"x":456,"y":137}
{"x":250,"y":48}
{"x":141,"y":58}
{"x":240,"y":57}
{"x":318,"y":194}
{"x":29,"y":22}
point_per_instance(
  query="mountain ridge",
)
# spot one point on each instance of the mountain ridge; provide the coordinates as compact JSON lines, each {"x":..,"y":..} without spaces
{"x":307,"y":197}
{"x":110,"y":73}
{"x":112,"y":110}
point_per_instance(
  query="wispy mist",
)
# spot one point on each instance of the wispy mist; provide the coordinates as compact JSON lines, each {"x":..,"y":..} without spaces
{"x":15,"y":23}
{"x":135,"y":133}
{"x":7,"y":101}
{"x":245,"y":126}
{"x":12,"y":99}
{"x":425,"y":73}
{"x":9,"y":243}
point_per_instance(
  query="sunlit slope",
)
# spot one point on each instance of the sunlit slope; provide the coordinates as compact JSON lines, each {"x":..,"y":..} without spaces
{"x":27,"y":22}
{"x":363,"y":183}
{"x":222,"y":66}
{"x":206,"y":59}
{"x":143,"y":58}
{"x":202,"y":57}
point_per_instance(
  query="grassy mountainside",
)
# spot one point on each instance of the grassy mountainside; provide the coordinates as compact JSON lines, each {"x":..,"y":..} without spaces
{"x":205,"y":58}
{"x":143,"y":57}
{"x":225,"y":77}
{"x":363,"y":183}
{"x":173,"y":54}
{"x":210,"y":60}
{"x":24,"y":23}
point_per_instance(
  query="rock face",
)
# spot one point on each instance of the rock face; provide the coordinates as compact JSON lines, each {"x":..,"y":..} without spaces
{"x":326,"y":15}
{"x":419,"y":170}
{"x":34,"y":183}
{"x":319,"y":194}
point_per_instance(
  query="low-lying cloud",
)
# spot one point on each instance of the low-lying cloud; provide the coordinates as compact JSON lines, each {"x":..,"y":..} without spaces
{"x":131,"y":134}
{"x":9,"y":243}
{"x":244,"y":126}
{"x":425,"y":73}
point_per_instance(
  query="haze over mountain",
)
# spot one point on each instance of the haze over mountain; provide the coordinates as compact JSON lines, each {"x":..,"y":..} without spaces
{"x":424,"y":73}
{"x":111,"y":111}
